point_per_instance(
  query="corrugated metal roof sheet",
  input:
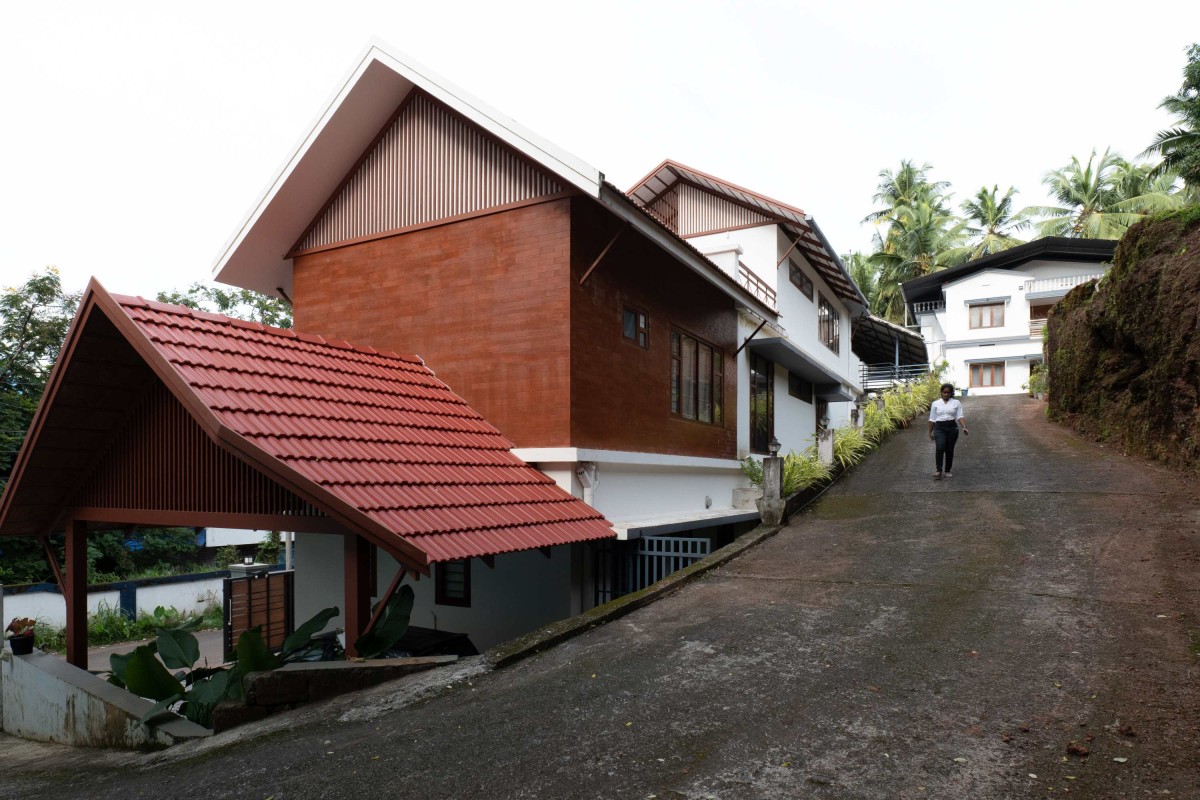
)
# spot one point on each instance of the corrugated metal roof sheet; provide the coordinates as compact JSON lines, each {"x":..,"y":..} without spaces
{"x":376,"y":430}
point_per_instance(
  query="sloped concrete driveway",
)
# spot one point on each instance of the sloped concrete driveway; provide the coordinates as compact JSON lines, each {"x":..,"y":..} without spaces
{"x":1024,"y":629}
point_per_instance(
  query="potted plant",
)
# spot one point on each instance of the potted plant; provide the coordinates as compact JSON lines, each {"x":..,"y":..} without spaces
{"x":19,"y":635}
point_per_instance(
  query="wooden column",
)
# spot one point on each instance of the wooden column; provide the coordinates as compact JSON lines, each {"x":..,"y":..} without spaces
{"x":75,"y":594}
{"x":357,"y":573}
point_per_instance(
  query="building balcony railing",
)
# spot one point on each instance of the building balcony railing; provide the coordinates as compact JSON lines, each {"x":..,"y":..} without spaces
{"x":1063,"y":284}
{"x":756,"y":285}
{"x":929,"y":307}
{"x":883,"y":376}
{"x":1035,"y":328}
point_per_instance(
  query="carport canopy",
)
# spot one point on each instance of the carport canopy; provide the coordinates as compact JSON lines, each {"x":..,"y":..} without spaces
{"x":161,"y":415}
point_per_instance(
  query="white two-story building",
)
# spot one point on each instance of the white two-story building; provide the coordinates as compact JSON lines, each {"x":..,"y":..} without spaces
{"x":985,"y":318}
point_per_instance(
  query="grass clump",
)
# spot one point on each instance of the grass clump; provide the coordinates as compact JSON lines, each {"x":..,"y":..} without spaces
{"x":110,"y":626}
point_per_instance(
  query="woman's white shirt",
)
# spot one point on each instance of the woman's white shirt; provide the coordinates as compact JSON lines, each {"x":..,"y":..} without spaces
{"x":945,"y":410}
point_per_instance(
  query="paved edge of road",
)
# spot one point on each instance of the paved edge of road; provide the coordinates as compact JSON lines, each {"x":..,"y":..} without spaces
{"x":523,"y":646}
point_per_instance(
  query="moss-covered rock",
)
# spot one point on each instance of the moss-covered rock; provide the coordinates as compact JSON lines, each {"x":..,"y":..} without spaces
{"x":1124,"y":353}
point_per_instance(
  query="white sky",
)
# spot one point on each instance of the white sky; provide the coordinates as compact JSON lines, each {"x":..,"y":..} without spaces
{"x":135,"y":137}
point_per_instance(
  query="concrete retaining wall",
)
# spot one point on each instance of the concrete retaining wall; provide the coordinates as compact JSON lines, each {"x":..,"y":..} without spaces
{"x":48,"y":700}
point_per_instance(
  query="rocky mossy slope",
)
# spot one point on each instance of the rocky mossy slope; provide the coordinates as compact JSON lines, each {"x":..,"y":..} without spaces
{"x":1124,"y":354}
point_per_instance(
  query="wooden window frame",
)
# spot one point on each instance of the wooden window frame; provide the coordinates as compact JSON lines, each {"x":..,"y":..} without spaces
{"x":761,"y":445}
{"x":971,"y":315}
{"x":1045,"y":306}
{"x":679,"y":377}
{"x":799,"y":278}
{"x":441,"y":595}
{"x":829,"y":324}
{"x":977,"y":370}
{"x":641,"y":327}
{"x":800,"y":388}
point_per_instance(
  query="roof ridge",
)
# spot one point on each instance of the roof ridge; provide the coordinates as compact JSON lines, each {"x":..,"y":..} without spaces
{"x":137,"y":301}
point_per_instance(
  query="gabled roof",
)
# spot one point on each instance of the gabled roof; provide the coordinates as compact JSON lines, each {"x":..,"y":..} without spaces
{"x":1050,"y":248}
{"x":256,"y":257}
{"x":800,"y":226}
{"x":372,"y":439}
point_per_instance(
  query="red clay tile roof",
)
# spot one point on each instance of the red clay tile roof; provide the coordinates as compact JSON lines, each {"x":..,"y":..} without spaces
{"x":375,"y":429}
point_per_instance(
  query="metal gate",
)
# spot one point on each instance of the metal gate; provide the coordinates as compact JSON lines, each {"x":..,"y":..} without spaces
{"x":623,"y":567}
{"x":263,"y":600}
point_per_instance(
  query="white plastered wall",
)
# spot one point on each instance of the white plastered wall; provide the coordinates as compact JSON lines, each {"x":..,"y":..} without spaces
{"x":523,"y":592}
{"x":1010,"y":344}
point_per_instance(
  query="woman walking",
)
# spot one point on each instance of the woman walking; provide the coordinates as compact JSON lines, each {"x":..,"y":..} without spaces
{"x":945,"y":418}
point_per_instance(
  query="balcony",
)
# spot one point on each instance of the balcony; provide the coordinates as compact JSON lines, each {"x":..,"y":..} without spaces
{"x":1049,"y":287}
{"x":756,"y":285}
{"x":885,"y":376}
{"x":1035,"y":328}
{"x":929,"y":307}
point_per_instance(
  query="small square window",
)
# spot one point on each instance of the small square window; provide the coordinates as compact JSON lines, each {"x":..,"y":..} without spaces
{"x":452,"y":583}
{"x":635,"y":326}
{"x":800,"y":280}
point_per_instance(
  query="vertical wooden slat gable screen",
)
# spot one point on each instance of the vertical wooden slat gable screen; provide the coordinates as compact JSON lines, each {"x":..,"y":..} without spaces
{"x":163,"y":460}
{"x":689,"y":210}
{"x":429,"y":164}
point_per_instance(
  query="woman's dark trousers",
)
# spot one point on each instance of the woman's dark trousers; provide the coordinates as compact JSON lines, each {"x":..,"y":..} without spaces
{"x":945,"y":435}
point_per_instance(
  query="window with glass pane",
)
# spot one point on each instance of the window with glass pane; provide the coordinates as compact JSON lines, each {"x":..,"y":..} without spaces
{"x":984,"y":375}
{"x":800,"y":280}
{"x":697,"y":375}
{"x":762,"y":403}
{"x":688,"y":377}
{"x":452,"y":583}
{"x":990,"y":315}
{"x":828,"y":325}
{"x":675,"y":349}
{"x":800,"y":388}
{"x":635,"y":326}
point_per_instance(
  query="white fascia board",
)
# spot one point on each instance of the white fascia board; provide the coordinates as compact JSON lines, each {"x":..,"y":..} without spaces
{"x":1008,"y":273}
{"x":574,"y":455}
{"x":986,"y":342}
{"x":623,"y":207}
{"x":363,"y":102}
{"x":234,"y":255}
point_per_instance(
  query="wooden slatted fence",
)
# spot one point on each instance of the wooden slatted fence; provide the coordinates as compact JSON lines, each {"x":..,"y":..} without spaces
{"x":266,"y":600}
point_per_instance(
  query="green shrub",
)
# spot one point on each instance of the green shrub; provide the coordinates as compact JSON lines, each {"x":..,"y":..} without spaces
{"x":800,"y":471}
{"x":850,"y":446}
{"x":109,"y":626}
{"x":268,"y":550}
{"x":227,"y":555}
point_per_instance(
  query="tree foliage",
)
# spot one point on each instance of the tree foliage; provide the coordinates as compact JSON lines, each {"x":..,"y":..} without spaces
{"x":34,"y":318}
{"x":992,"y":223}
{"x":1179,"y":147}
{"x":239,"y":303}
{"x":1101,"y":199}
{"x":917,"y":233}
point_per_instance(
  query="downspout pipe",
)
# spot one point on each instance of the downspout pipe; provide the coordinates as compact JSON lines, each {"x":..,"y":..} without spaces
{"x":589,"y":475}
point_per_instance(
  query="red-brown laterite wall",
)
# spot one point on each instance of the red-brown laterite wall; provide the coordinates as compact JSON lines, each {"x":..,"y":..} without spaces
{"x":621,"y":394}
{"x":484,"y":301}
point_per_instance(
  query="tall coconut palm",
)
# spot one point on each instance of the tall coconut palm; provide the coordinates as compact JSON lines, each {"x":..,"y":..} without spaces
{"x":864,"y":274}
{"x":922,"y":238}
{"x":1179,"y":147}
{"x":991,"y":222}
{"x":904,"y":187}
{"x":1094,"y":199}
